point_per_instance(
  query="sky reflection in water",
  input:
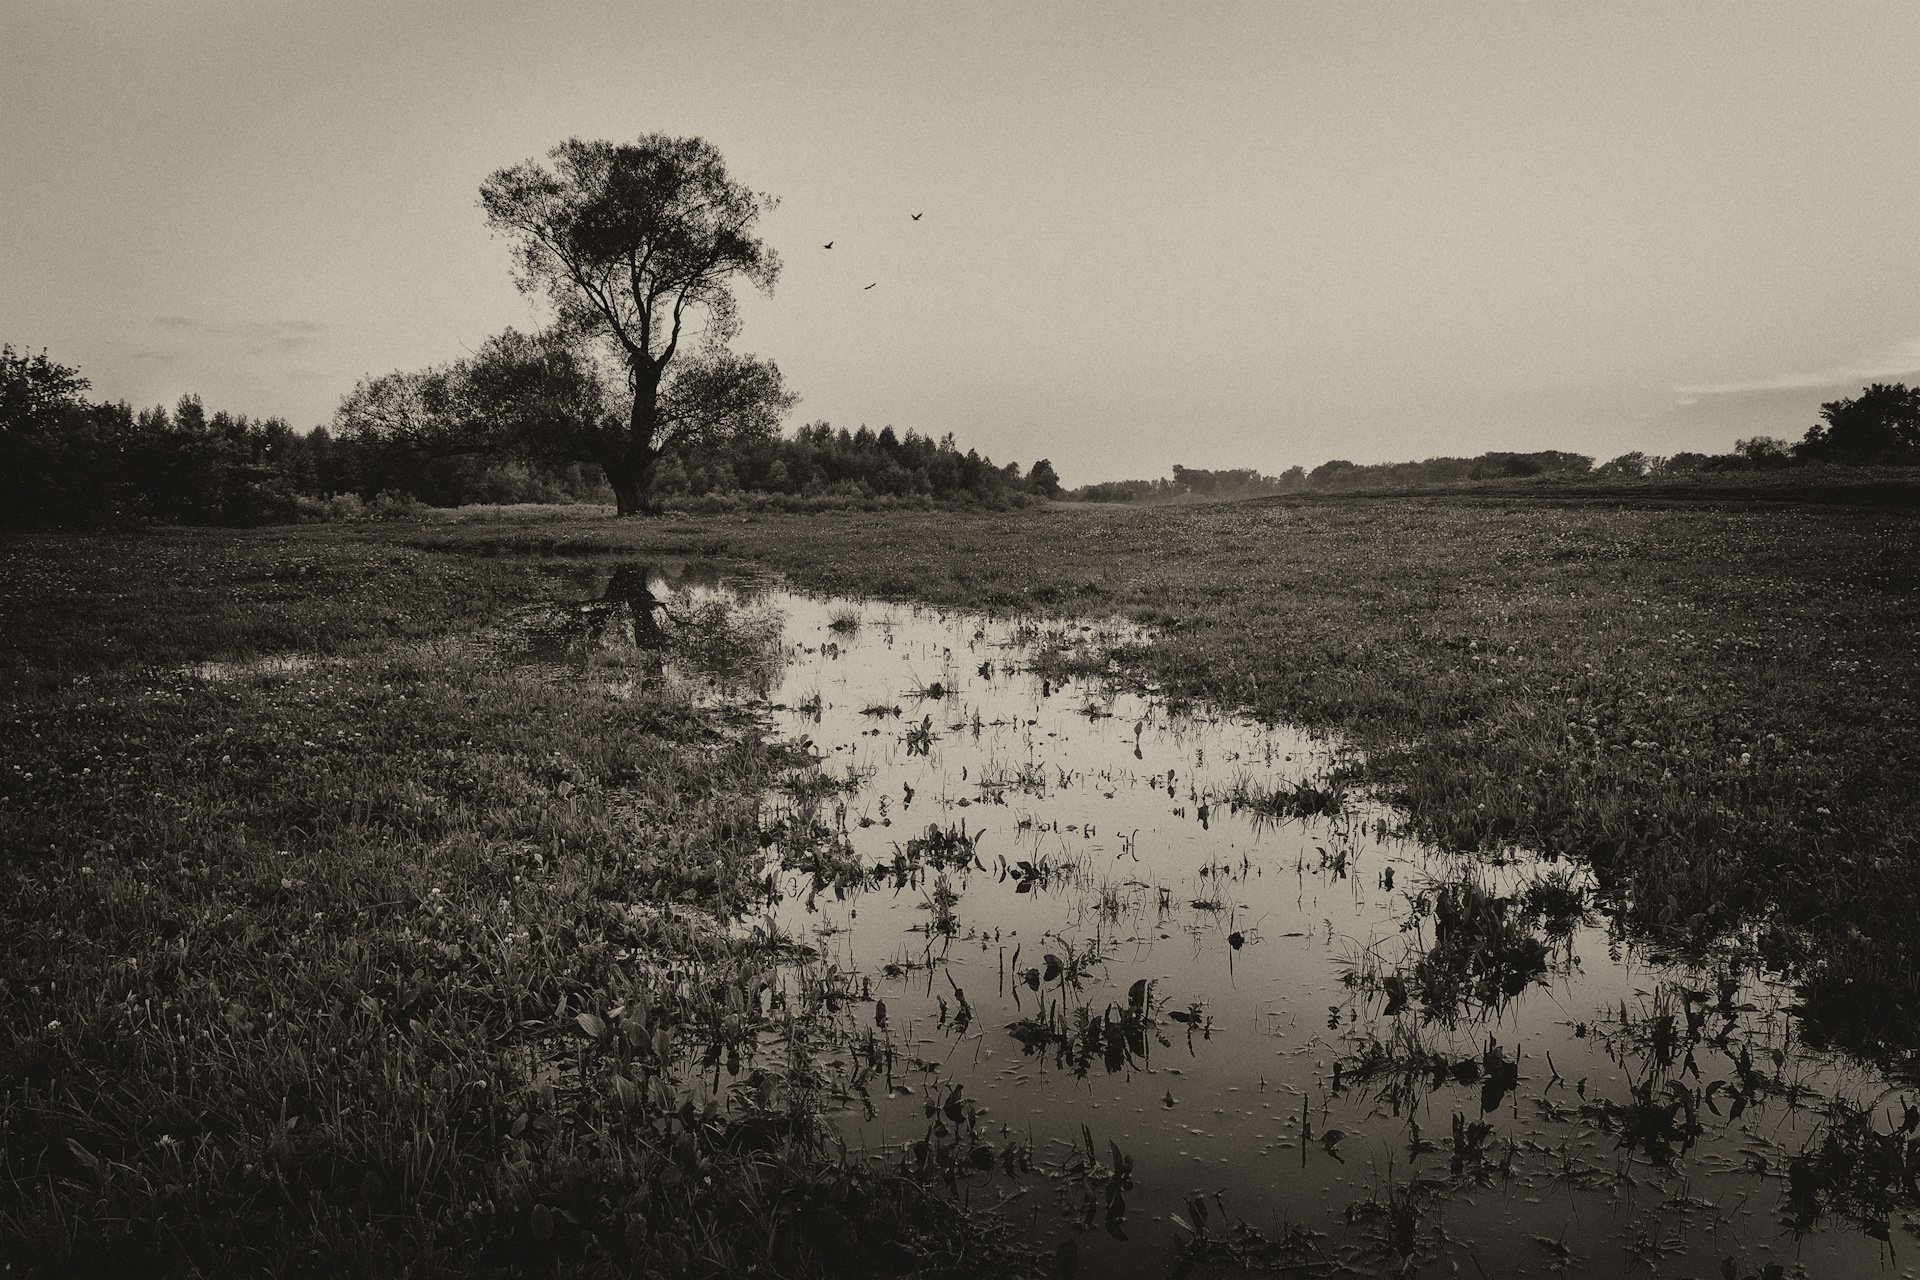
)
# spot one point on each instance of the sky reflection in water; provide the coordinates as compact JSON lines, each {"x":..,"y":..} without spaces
{"x":1398,"y":1053}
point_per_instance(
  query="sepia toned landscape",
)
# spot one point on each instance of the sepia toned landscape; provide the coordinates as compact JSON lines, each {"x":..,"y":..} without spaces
{"x":568,"y":806}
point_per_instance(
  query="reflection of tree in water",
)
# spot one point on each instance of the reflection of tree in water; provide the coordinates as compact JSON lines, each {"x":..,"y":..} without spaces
{"x":628,"y":603}
{"x":693,"y":623}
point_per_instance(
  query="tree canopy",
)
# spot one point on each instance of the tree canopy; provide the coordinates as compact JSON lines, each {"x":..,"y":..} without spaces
{"x":635,"y":247}
{"x":1881,"y":424}
{"x":41,"y":402}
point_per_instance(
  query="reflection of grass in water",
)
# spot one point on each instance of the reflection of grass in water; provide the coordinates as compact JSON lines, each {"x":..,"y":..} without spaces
{"x":716,"y":637}
{"x":942,"y":846}
{"x":1485,"y":947}
{"x":1855,"y":1169}
{"x":1217,"y":1237}
{"x":996,"y":779}
{"x":1693,"y":1058}
{"x":942,"y":898}
{"x":1484,"y":951}
{"x":1407,"y":1065}
{"x":1077,"y":1037}
{"x":1558,"y":900}
{"x":1306,"y":798}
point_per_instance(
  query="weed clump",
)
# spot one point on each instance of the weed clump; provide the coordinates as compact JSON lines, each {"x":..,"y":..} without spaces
{"x":1305,"y":798}
{"x":1483,"y":952}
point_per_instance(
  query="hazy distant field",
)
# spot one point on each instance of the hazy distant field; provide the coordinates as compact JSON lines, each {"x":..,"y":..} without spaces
{"x":288,"y":941}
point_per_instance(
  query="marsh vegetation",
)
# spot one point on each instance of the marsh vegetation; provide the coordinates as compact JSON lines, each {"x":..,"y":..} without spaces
{"x":520,"y":895}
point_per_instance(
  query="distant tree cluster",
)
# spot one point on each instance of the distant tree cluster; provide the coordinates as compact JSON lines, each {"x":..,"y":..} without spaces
{"x":66,"y":461}
{"x":1336,"y":476}
{"x":1879,"y":427}
{"x":818,"y":461}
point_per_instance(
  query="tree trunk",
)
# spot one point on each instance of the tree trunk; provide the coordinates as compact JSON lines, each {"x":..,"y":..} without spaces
{"x":625,"y":482}
{"x":631,"y":478}
{"x":631,"y":475}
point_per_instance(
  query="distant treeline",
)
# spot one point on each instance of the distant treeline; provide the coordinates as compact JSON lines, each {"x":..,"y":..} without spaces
{"x":820,"y":462}
{"x":1880,"y":427}
{"x":1335,"y":476}
{"x":66,"y":461}
{"x":109,"y":463}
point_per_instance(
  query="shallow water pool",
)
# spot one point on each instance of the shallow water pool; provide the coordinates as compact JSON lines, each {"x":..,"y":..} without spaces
{"x":1157,"y":980}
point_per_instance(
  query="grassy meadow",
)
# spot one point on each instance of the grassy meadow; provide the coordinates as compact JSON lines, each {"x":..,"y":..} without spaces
{"x":375,"y":949}
{"x":333,"y":965}
{"x":1715,"y":704}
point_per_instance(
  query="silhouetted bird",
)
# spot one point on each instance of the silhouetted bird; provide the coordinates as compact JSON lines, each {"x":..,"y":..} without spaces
{"x":827,"y":245}
{"x":917,"y":217}
{"x":870,"y":286}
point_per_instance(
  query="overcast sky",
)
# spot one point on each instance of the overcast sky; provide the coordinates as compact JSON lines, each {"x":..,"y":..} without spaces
{"x":1218,"y":235}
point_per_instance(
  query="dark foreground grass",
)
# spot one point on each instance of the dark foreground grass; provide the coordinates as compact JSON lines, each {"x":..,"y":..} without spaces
{"x":397,"y":962}
{"x":1716,"y":706}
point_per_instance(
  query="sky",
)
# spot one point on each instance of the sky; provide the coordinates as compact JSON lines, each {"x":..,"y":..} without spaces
{"x":1219,"y":235}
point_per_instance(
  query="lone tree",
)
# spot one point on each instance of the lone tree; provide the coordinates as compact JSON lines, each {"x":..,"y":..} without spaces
{"x":636,"y":246}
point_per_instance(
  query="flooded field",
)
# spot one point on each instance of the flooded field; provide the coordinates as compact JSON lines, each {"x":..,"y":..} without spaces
{"x":1157,"y":981}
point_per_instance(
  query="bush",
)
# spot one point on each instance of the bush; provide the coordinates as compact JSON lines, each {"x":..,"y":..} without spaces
{"x":1626,"y":466}
{"x":313,"y":509}
{"x":390,"y":504}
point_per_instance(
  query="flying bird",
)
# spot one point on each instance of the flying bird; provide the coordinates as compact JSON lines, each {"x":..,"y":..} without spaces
{"x":918,"y":216}
{"x":827,"y":245}
{"x":870,"y":286}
